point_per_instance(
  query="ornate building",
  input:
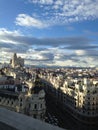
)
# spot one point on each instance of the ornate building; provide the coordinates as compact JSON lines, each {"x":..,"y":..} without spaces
{"x":78,"y":96}
{"x":21,"y":98}
{"x":17,"y":61}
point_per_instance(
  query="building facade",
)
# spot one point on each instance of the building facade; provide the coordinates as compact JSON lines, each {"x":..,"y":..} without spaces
{"x":17,"y":61}
{"x":78,"y":96}
{"x":21,"y":98}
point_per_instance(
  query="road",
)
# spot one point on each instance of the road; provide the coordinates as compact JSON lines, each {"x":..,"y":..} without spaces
{"x":64,"y":120}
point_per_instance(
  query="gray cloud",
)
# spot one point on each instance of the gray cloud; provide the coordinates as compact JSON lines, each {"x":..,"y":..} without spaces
{"x":48,"y":56}
{"x":92,"y":53}
{"x":44,"y":57}
{"x":5,"y":45}
{"x":68,"y":42}
{"x":41,"y":49}
{"x":52,"y":51}
{"x":82,"y":47}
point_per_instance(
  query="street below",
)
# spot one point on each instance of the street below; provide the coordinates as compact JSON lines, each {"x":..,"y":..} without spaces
{"x":56,"y":116}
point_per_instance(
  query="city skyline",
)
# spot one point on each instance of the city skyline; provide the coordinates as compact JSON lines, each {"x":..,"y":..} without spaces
{"x":50,"y":32}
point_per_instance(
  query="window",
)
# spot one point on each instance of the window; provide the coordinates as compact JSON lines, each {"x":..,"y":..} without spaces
{"x":41,"y":98}
{"x":35,"y":106}
{"x":40,"y":105}
{"x":88,"y":98}
{"x":21,"y":99}
{"x":83,"y":111}
{"x":83,"y":102}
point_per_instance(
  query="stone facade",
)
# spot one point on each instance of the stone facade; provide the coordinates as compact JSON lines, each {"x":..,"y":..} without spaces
{"x":18,"y":97}
{"x":17,"y":61}
{"x":78,"y":96}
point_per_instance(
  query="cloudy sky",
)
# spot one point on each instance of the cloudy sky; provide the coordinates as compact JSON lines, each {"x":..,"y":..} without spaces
{"x":50,"y":32}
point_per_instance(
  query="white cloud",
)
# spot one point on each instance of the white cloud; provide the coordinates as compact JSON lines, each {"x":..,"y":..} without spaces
{"x":4,"y":31}
{"x":41,"y":1}
{"x":65,"y":11}
{"x":58,"y":2}
{"x":6,"y":34}
{"x":80,"y":52}
{"x":28,"y":21}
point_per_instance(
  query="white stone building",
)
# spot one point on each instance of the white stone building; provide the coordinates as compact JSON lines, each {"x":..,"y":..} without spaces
{"x":17,"y":61}
{"x":19,"y":97}
{"x":78,"y":96}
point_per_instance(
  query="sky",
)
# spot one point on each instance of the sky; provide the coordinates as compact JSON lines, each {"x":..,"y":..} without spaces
{"x":50,"y":32}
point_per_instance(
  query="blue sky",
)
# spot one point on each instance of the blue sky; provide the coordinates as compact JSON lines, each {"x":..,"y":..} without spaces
{"x":50,"y":32}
